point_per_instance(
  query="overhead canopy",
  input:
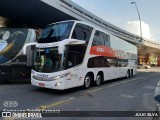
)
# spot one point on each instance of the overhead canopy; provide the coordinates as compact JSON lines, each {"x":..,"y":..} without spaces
{"x":32,"y":12}
{"x":39,"y":13}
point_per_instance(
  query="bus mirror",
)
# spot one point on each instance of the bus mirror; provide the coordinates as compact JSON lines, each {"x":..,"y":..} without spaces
{"x":26,"y":45}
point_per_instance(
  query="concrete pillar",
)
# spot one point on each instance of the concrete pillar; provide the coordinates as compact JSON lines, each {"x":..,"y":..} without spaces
{"x":147,"y":59}
{"x":158,"y":60}
{"x":140,"y":59}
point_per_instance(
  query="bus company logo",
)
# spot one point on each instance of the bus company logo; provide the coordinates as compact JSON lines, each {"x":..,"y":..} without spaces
{"x":42,"y":75}
{"x":10,"y":104}
{"x":46,"y":45}
{"x":99,"y":49}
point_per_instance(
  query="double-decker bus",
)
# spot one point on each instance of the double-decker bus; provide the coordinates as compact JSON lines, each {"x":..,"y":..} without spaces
{"x":16,"y":53}
{"x":74,"y":53}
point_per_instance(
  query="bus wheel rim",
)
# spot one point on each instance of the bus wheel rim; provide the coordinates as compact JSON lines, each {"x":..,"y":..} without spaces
{"x":98,"y":79}
{"x":87,"y":82}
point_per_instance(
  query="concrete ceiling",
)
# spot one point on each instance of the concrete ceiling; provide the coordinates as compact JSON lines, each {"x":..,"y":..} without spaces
{"x":38,"y":14}
{"x":33,"y":12}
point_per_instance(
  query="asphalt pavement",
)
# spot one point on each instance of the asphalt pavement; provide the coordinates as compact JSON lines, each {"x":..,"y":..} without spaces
{"x":133,"y":94}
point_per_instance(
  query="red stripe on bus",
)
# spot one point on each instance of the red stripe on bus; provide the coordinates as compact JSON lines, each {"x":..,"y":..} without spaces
{"x":107,"y":51}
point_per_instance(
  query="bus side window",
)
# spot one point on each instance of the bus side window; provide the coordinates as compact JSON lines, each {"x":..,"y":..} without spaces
{"x":74,"y":58}
{"x":82,"y":32}
{"x":71,"y":60}
{"x":98,"y":39}
{"x":101,"y":38}
{"x":107,"y":40}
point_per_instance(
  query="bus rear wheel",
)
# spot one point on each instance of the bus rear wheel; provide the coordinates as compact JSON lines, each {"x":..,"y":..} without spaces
{"x":131,"y":74}
{"x":127,"y":75}
{"x":87,"y":81}
{"x":98,"y":80}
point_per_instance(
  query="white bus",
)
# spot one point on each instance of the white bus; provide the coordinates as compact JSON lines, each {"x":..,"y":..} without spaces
{"x":73,"y":53}
{"x":14,"y":64}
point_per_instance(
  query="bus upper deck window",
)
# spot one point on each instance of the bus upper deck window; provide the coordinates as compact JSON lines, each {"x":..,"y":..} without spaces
{"x":82,"y":32}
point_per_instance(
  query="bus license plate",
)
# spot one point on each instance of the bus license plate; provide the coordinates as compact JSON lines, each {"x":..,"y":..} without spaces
{"x":41,"y":84}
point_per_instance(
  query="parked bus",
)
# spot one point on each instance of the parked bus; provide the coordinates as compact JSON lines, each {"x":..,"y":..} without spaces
{"x":73,"y":53}
{"x":14,"y":64}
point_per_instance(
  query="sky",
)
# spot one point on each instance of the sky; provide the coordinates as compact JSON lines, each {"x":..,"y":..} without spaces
{"x":123,"y":14}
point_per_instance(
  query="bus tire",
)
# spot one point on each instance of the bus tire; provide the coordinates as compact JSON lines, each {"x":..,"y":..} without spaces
{"x":98,"y":80}
{"x":127,"y":75}
{"x":87,"y":81}
{"x":131,"y":73}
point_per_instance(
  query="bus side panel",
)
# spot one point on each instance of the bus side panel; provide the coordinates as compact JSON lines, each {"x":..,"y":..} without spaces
{"x":19,"y":68}
{"x":14,"y":72}
{"x":21,"y":72}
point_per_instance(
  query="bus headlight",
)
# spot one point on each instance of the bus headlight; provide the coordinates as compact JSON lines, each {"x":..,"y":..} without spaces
{"x":56,"y":78}
{"x":58,"y":84}
{"x":60,"y":76}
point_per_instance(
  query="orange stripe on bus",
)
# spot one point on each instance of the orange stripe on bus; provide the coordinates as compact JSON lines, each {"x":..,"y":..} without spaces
{"x":107,"y":51}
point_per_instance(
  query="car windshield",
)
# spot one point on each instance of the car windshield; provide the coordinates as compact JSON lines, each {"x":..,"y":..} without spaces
{"x":47,"y":60}
{"x":56,"y":32}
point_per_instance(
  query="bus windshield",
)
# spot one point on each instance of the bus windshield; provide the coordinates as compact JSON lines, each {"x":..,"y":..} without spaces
{"x":56,"y":32}
{"x":48,"y":60}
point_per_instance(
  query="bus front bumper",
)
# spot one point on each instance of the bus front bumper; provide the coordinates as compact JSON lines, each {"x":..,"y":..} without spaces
{"x":58,"y":84}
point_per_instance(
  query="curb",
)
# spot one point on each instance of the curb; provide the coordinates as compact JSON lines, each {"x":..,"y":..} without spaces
{"x":148,"y":70}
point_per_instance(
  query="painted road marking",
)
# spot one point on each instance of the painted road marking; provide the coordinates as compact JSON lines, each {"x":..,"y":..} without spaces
{"x":127,"y":96}
{"x":150,"y":87}
{"x":44,"y":107}
{"x":9,"y":118}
